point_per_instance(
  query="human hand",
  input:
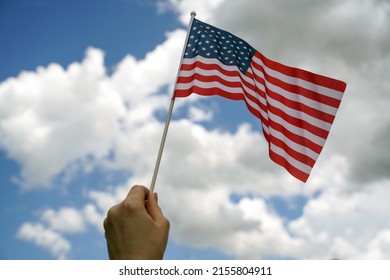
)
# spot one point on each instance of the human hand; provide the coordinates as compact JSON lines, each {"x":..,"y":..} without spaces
{"x":136,"y":228}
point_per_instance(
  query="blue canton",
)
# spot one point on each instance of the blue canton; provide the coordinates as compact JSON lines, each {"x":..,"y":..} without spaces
{"x":211,"y":42}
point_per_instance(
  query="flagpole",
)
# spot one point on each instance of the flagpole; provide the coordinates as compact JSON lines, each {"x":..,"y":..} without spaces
{"x":168,"y":120}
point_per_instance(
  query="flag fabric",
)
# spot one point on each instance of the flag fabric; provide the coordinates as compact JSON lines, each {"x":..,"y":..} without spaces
{"x":296,"y":107}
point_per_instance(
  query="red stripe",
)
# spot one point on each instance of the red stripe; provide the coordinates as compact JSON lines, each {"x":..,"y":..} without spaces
{"x":299,"y":139}
{"x":297,"y":90}
{"x":303,"y":74}
{"x":301,"y":123}
{"x":209,"y":66}
{"x":290,"y":168}
{"x":296,"y":105}
{"x":207,"y":92}
{"x":209,"y":79}
{"x":291,"y":152}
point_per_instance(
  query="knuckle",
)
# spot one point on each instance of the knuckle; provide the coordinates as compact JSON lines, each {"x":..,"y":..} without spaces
{"x":129,"y":206}
{"x":111,"y":214}
{"x":138,"y":187}
{"x":165,"y":223}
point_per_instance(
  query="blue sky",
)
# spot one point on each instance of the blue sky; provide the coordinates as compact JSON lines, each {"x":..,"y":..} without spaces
{"x":84,"y":90}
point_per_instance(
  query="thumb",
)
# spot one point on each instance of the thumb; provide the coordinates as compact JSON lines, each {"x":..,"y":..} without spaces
{"x":153,"y":209}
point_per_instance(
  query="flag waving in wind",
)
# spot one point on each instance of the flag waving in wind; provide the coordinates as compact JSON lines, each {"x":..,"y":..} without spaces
{"x":296,"y":107}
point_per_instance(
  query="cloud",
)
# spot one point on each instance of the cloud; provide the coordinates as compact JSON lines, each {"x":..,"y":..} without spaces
{"x":185,"y":7}
{"x":307,"y":32}
{"x":345,"y":226}
{"x":54,"y":107}
{"x":53,"y":229}
{"x":56,"y":119}
{"x":198,"y":115}
{"x":45,"y":238}
{"x":65,"y":220}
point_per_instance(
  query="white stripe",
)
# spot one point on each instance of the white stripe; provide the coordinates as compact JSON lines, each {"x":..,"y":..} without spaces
{"x":299,"y":82}
{"x":294,"y":113}
{"x":299,"y":114}
{"x":210,"y":61}
{"x":297,"y":164}
{"x":293,"y":145}
{"x":188,"y":73}
{"x":297,"y":130}
{"x":205,"y":72}
{"x":234,"y":90}
{"x":297,"y":97}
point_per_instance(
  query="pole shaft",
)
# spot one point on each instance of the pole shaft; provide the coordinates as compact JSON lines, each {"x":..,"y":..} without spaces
{"x":164,"y":136}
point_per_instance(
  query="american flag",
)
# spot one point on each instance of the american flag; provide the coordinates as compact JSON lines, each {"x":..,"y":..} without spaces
{"x":296,"y":107}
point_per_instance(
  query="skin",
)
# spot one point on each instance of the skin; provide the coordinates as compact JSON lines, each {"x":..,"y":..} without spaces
{"x":136,"y":228}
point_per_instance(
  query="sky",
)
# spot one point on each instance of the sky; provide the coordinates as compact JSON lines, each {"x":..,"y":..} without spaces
{"x":84,"y":92}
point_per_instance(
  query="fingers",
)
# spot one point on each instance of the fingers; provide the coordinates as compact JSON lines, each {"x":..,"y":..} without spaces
{"x":155,"y":212}
{"x":138,"y":198}
{"x":138,"y":192}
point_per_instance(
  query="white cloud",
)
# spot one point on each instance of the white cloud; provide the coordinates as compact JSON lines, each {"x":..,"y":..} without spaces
{"x":45,"y":238}
{"x":64,"y":220}
{"x":58,"y":116}
{"x":342,"y":225}
{"x":196,"y":114}
{"x":185,"y":7}
{"x":94,"y":217}
{"x":55,"y":119}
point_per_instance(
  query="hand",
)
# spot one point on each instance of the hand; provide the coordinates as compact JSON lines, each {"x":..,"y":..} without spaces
{"x":136,"y":228}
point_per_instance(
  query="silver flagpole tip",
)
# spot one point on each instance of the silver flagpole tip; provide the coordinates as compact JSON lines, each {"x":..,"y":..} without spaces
{"x":193,"y":14}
